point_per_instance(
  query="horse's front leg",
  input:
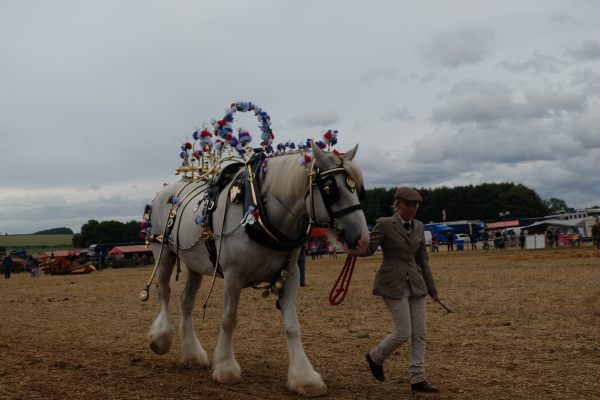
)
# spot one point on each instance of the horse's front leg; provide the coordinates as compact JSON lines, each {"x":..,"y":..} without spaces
{"x":192,"y":352}
{"x":302,"y":377}
{"x":161,"y":332}
{"x":225,"y":367}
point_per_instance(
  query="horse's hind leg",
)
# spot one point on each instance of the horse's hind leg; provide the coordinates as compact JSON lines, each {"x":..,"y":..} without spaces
{"x":161,"y":332}
{"x":302,"y":377}
{"x":192,"y":353}
{"x":225,"y":367}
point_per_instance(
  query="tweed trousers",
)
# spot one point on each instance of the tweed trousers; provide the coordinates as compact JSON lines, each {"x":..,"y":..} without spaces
{"x":409,"y":316}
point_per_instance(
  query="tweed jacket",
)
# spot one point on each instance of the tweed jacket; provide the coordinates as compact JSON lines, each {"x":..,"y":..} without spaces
{"x":405,"y":259}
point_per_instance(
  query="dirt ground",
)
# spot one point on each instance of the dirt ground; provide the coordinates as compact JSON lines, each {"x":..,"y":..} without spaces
{"x":524,"y":326}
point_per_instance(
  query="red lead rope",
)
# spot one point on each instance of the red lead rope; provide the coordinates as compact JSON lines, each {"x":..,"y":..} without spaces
{"x":340,"y":288}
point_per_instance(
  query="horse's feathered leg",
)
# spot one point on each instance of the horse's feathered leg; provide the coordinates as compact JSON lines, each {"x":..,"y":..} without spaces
{"x":161,"y":332}
{"x":302,"y":377}
{"x":192,"y":352}
{"x":225,"y":367}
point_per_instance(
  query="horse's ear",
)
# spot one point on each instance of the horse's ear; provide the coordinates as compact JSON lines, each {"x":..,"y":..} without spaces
{"x":320,"y":156}
{"x":349,"y":155}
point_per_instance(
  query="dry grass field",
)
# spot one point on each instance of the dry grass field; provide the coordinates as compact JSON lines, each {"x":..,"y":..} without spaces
{"x":524,"y":326}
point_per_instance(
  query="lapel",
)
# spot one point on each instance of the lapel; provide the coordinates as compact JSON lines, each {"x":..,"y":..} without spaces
{"x":399,"y":227}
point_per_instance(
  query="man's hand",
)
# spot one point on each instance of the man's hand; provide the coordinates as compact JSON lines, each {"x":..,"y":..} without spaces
{"x":433,"y":294}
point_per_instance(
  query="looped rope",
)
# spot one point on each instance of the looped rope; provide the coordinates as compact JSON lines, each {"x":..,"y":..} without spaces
{"x":340,"y":288}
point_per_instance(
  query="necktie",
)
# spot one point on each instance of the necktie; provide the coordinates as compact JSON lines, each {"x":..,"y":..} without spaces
{"x":407,"y":227}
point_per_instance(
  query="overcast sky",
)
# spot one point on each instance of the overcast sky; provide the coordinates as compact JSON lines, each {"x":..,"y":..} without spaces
{"x":97,"y":96}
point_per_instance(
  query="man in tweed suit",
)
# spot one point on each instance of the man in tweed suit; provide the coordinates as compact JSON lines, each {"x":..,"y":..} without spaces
{"x":403,"y":281}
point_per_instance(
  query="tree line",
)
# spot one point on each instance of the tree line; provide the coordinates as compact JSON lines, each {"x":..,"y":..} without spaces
{"x":107,"y":232}
{"x":481,"y":202}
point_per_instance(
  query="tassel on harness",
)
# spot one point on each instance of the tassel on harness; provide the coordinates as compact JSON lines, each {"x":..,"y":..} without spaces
{"x":338,"y":293}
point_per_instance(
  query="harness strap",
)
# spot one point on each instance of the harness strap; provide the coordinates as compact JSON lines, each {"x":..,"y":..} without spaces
{"x":264,"y":232}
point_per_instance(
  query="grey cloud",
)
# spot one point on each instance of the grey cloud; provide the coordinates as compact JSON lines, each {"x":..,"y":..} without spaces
{"x":403,"y":114}
{"x":322,"y":119}
{"x":587,"y":81}
{"x":490,"y":159}
{"x":463,"y":47}
{"x":564,"y":18}
{"x":537,"y":63}
{"x":570,"y":130}
{"x":380,"y":74}
{"x":54,"y":211}
{"x":480,"y":102}
{"x":549,"y":101}
{"x":475,"y":101}
{"x":586,"y":51}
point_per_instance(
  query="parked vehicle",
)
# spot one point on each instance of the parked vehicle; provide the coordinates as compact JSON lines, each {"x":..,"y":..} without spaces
{"x":462,"y":236}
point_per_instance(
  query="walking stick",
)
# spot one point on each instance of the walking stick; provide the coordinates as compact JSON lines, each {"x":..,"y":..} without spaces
{"x":443,"y":305}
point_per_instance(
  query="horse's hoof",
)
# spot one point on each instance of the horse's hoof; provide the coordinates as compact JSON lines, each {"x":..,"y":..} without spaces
{"x":227,"y":376}
{"x":311,"y":390}
{"x":159,"y":348}
{"x":161,"y":344}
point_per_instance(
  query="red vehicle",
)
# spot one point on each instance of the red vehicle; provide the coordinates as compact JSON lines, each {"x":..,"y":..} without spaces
{"x":318,"y":243}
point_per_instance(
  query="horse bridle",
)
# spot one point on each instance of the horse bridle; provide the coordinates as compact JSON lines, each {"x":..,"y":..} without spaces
{"x":330,"y":192}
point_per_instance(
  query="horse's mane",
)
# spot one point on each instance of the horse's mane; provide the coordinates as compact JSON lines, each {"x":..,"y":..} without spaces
{"x":286,"y":176}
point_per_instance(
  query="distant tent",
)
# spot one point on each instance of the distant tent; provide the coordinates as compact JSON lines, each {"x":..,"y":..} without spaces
{"x":542,"y":226}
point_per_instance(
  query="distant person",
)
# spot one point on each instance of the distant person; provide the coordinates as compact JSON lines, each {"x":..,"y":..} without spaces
{"x":497,"y":240}
{"x":313,"y":250}
{"x":556,"y":239}
{"x":473,"y":239}
{"x":550,"y":237}
{"x":332,"y":250}
{"x":301,"y":266}
{"x":434,"y":244}
{"x":7,"y":264}
{"x":34,"y":267}
{"x":595,"y":234}
{"x":450,"y":239}
{"x":522,"y":239}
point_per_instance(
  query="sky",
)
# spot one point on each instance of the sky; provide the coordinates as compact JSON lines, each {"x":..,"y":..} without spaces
{"x":97,"y":96}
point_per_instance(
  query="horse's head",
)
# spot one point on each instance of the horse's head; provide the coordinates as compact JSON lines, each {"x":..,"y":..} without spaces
{"x":339,"y":183}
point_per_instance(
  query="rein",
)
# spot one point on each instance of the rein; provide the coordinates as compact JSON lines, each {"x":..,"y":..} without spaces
{"x":340,"y":287}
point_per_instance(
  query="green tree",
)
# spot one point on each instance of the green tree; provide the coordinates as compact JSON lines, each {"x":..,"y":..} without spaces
{"x":555,"y":206}
{"x":108,"y":232}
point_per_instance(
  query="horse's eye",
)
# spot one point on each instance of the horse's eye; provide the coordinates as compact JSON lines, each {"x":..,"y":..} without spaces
{"x":327,"y":190}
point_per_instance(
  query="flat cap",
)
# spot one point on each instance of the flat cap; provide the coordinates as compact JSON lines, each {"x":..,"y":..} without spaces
{"x":407,"y":194}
